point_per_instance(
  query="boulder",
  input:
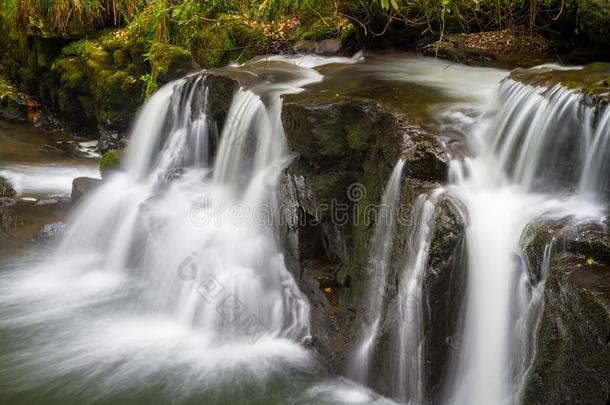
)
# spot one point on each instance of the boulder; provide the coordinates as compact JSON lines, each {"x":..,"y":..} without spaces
{"x":13,"y":106}
{"x":443,"y":293}
{"x":8,"y":222}
{"x":170,"y":62}
{"x":327,"y":47}
{"x":571,"y":364}
{"x":81,"y":186}
{"x":6,"y":190}
{"x":345,"y":150}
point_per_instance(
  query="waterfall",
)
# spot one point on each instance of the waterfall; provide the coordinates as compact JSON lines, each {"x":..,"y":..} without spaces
{"x":171,"y":273}
{"x":377,"y":271}
{"x":409,"y":368}
{"x":535,"y":150}
{"x":188,"y":229}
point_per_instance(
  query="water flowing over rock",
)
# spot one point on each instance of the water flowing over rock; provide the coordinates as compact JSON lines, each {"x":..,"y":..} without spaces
{"x":571,"y":359}
{"x":345,"y":148}
{"x":82,"y":186}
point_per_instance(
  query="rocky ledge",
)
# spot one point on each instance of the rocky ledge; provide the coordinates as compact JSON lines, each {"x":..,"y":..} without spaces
{"x":571,"y":362}
{"x":345,"y":150}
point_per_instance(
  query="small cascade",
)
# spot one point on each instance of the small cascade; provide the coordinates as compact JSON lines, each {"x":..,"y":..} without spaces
{"x":534,"y":152}
{"x":409,"y":379}
{"x":377,"y":271}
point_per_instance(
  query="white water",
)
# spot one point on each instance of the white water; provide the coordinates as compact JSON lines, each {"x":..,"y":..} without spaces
{"x":172,"y":265}
{"x":52,"y":179}
{"x":410,"y":367}
{"x":521,"y":142}
{"x":377,"y":271}
{"x":533,"y":152}
{"x":135,"y":290}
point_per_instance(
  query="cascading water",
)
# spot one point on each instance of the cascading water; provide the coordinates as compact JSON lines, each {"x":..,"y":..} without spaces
{"x":170,"y":285}
{"x":178,"y":256}
{"x":518,"y":173}
{"x":377,"y":270}
{"x":409,"y":367}
{"x":534,"y":152}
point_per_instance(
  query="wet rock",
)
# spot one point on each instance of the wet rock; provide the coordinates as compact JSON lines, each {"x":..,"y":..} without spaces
{"x":339,"y":133}
{"x":52,"y":230}
{"x":572,"y":360}
{"x":6,"y":190}
{"x":425,"y":158}
{"x":221,"y":89}
{"x":81,"y":186}
{"x":443,"y":287}
{"x":109,"y":140}
{"x":314,"y":253}
{"x":8,"y":222}
{"x":346,"y":148}
{"x":13,"y":105}
{"x":326,"y":47}
{"x":68,"y":149}
{"x":593,"y":81}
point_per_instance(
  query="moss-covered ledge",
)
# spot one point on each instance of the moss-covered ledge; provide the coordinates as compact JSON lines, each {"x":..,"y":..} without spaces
{"x":593,"y":80}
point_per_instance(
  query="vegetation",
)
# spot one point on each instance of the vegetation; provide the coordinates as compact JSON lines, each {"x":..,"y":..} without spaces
{"x":99,"y":59}
{"x":110,"y":161}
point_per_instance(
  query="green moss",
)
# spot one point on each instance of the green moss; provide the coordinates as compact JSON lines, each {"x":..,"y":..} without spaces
{"x":168,"y":62}
{"x":110,"y":161}
{"x":593,"y":80}
{"x":209,"y":47}
{"x":7,"y":90}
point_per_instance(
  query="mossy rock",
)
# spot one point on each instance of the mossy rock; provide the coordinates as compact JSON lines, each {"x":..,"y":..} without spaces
{"x":169,"y":62}
{"x":593,"y":81}
{"x":594,"y":20}
{"x":110,"y":161}
{"x":228,"y":40}
{"x":13,"y":106}
{"x":98,"y":77}
{"x":571,"y":364}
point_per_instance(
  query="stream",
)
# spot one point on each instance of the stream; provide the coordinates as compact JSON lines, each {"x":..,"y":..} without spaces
{"x":166,"y":288}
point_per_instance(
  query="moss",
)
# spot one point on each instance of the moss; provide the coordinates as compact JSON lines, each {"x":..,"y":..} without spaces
{"x":593,"y":80}
{"x":169,"y":62}
{"x":210,"y":47}
{"x":7,"y":90}
{"x":594,"y":20}
{"x":110,"y":161}
{"x":98,"y":78}
{"x":319,"y":30}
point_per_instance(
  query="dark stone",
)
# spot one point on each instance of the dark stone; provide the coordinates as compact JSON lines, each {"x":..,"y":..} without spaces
{"x":109,"y":140}
{"x":327,"y":47}
{"x":443,"y":287}
{"x":81,"y":186}
{"x":572,"y":360}
{"x":6,"y":190}
{"x":342,"y":143}
{"x":8,"y":222}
